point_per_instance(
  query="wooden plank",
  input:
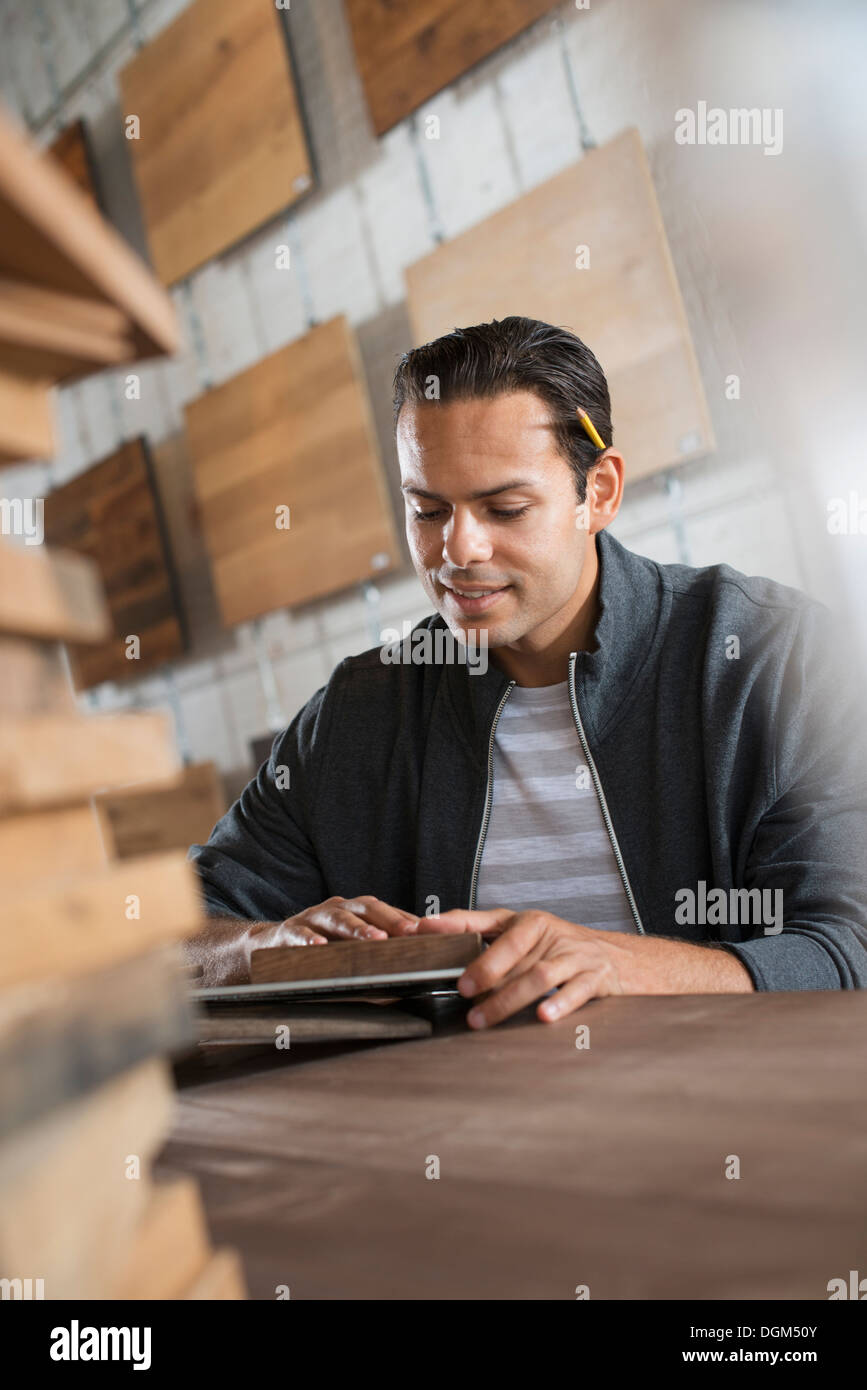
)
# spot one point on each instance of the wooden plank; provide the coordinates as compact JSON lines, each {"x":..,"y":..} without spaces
{"x":47,"y":334}
{"x":52,"y":235}
{"x":293,"y":431}
{"x":88,"y":922}
{"x":48,"y":760}
{"x":71,"y":148}
{"x":171,"y":1251}
{"x":406,"y":53}
{"x":50,"y":844}
{"x":146,"y":820}
{"x":69,"y":1210}
{"x":26,"y":419}
{"x":60,"y":1039}
{"x":33,"y":678}
{"x":112,"y":514}
{"x":50,"y":594}
{"x":223,"y":1278}
{"x":342,"y":959}
{"x":221,"y":147}
{"x":307,"y":1023}
{"x":626,"y":306}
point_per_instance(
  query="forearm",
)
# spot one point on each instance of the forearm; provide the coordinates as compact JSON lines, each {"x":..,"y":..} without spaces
{"x":222,"y":951}
{"x":662,"y":965}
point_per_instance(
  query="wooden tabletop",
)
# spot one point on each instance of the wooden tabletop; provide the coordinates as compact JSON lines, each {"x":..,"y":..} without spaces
{"x":602,"y":1166}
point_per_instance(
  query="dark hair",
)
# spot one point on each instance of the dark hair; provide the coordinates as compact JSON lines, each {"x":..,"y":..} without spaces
{"x":516,"y":354}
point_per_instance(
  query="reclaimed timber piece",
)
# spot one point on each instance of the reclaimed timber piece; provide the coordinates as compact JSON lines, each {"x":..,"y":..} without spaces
{"x":112,"y":514}
{"x":407,"y":53}
{"x":33,"y":678}
{"x":171,"y":1250}
{"x":345,"y":959}
{"x":625,"y":305}
{"x":294,"y":431}
{"x":147,"y":820}
{"x":71,"y":148}
{"x":221,"y":146}
{"x":51,"y":594}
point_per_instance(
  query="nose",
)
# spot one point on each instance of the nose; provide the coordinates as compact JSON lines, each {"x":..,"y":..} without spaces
{"x":465,"y":541}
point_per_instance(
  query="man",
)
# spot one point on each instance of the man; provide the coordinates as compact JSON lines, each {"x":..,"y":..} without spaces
{"x":651,"y":786}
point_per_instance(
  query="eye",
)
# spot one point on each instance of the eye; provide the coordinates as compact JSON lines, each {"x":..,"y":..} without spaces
{"x":501,"y":514}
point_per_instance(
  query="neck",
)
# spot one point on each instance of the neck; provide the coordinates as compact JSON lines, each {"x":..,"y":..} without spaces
{"x":542,"y":657}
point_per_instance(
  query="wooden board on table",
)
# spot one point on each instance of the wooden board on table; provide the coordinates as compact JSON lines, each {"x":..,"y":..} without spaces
{"x":52,"y":236}
{"x":33,"y":678}
{"x":171,"y":1250}
{"x":60,"y":1039}
{"x":51,"y":759}
{"x":626,"y":306}
{"x":89,"y":921}
{"x":71,"y":1205}
{"x":358,"y":959}
{"x":39,"y":846}
{"x":307,"y":1023}
{"x":407,"y":53}
{"x":146,"y":820}
{"x":50,"y":594}
{"x":221,"y":147}
{"x":112,"y":514}
{"x":294,"y":431}
{"x":72,"y":150}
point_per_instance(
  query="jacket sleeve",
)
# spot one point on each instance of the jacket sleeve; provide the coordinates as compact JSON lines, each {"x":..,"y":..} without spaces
{"x":260,"y":863}
{"x":812,"y":842}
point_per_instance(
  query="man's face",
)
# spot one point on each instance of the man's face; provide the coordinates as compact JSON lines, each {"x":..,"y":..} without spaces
{"x":526,"y":539}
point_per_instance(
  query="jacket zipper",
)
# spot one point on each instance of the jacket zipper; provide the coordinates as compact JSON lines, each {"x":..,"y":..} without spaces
{"x":488,"y":789}
{"x":606,"y":816}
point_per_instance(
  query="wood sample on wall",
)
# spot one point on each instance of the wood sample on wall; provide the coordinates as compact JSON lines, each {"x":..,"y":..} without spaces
{"x":71,"y":148}
{"x":294,"y":431}
{"x":626,"y":306}
{"x":112,"y":513}
{"x":221,"y":146}
{"x":148,"y":819}
{"x":407,"y":53}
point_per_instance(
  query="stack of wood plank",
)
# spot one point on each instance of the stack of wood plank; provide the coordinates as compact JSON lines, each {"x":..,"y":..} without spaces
{"x":93,"y":986}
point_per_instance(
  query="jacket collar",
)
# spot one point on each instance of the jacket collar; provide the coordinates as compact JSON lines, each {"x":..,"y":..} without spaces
{"x":634,"y":602}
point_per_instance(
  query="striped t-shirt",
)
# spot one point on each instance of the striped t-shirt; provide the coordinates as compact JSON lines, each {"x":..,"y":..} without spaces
{"x":546,"y":845}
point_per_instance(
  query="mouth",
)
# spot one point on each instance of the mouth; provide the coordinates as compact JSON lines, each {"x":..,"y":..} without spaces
{"x":471,"y":600}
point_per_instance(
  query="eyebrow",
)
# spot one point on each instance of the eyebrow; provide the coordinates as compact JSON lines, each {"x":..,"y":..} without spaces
{"x":473,"y":496}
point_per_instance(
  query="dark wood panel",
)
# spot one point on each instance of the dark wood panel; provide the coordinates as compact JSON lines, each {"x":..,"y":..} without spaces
{"x":407,"y":52}
{"x":342,"y":959}
{"x":112,"y":513}
{"x":72,"y":150}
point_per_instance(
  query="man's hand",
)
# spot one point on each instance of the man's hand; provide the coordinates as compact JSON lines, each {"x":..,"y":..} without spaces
{"x":535,"y":952}
{"x":337,"y":919}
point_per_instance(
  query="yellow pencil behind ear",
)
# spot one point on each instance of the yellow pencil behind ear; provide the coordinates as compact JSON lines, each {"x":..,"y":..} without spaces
{"x":590,"y":427}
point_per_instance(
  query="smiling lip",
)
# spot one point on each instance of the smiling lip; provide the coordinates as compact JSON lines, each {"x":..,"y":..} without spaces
{"x":475,"y":599}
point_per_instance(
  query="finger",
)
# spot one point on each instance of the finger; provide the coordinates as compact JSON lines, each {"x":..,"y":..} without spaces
{"x":514,"y":996}
{"x":491,"y":968}
{"x":573,"y":994}
{"x":338,"y":924}
{"x":461,"y":919}
{"x":295,"y":934}
{"x":394,"y":921}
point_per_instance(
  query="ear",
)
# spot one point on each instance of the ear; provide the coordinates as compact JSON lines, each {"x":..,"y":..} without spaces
{"x":605,"y":490}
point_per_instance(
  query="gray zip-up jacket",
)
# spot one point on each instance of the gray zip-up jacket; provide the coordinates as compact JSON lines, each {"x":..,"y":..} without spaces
{"x":723,"y":734}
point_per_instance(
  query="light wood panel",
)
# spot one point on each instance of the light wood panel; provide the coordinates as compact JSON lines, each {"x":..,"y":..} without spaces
{"x":626,"y":306}
{"x":112,"y":514}
{"x":148,"y":820}
{"x":293,"y":431}
{"x":33,"y":679}
{"x":51,"y":594}
{"x":222,"y":146}
{"x":408,"y":52}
